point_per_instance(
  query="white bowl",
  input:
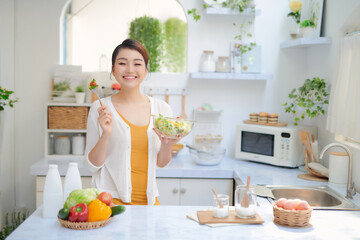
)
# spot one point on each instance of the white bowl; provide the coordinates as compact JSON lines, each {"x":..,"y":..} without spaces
{"x":207,"y":157}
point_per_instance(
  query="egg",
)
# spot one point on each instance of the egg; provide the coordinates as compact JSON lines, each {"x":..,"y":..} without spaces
{"x":280,"y":202}
{"x":303,"y":205}
{"x":289,"y":204}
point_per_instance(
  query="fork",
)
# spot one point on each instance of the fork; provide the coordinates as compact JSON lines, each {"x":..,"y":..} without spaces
{"x":96,"y":92}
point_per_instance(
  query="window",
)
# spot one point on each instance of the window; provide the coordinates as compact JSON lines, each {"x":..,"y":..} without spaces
{"x":344,"y":108}
{"x":92,"y":29}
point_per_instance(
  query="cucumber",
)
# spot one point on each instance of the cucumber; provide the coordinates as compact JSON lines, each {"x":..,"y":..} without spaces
{"x":117,"y":210}
{"x":64,"y":213}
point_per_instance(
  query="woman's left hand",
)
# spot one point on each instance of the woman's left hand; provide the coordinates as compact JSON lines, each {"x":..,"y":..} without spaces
{"x":165,"y":140}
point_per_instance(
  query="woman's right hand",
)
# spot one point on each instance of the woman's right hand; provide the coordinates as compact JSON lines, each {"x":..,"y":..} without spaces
{"x":105,"y":119}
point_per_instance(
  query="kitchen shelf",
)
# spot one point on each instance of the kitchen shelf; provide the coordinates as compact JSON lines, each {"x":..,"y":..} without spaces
{"x":66,"y":130}
{"x":229,"y":11}
{"x":69,"y":104}
{"x":235,"y":76}
{"x":305,"y":42}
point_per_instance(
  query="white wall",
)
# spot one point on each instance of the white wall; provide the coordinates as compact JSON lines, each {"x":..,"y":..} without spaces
{"x":7,"y":170}
{"x":37,"y":51}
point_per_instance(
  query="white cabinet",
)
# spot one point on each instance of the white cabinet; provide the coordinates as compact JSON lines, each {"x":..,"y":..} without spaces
{"x":173,"y":191}
{"x":192,"y":191}
{"x":40,"y":182}
{"x":64,"y":120}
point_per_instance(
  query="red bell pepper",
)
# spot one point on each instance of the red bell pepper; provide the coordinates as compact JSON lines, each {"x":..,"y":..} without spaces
{"x":79,"y":213}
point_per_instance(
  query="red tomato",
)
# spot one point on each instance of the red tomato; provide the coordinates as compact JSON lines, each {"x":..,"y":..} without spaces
{"x":115,"y":86}
{"x":105,"y":197}
{"x":92,"y":83}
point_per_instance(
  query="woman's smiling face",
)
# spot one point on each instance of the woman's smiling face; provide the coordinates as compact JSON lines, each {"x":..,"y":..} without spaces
{"x":129,"y":68}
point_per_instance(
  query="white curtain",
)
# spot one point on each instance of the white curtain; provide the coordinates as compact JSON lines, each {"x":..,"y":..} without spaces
{"x":344,"y":107}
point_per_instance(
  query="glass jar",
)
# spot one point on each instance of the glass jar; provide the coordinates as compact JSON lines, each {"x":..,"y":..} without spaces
{"x":207,"y":62}
{"x":51,"y":144}
{"x":62,"y":145}
{"x":221,"y":211}
{"x":242,"y":210}
{"x":222,"y":64}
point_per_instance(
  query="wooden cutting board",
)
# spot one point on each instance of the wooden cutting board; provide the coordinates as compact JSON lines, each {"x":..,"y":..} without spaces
{"x":205,"y":217}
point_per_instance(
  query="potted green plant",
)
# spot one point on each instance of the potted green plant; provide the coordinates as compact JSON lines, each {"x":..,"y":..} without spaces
{"x":308,"y":28}
{"x":309,"y":100}
{"x":80,"y":94}
{"x":294,"y":16}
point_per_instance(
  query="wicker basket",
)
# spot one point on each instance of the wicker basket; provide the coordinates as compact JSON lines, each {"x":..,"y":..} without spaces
{"x":67,"y":117}
{"x":292,"y":218}
{"x":84,"y":225}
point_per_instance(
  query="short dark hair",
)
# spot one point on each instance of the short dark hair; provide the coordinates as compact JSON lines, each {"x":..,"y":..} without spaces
{"x":131,"y":44}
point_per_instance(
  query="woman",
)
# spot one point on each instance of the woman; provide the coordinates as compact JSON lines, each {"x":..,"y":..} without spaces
{"x":122,"y":148}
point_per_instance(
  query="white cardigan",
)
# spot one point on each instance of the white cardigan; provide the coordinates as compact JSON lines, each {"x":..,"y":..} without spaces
{"x":114,"y":176}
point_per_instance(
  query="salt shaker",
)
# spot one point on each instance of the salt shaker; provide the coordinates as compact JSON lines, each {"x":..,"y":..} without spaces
{"x":221,"y":211}
{"x":245,"y":211}
{"x":53,"y":193}
{"x":72,"y":179}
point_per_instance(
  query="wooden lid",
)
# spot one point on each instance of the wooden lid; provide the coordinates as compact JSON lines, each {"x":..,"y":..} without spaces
{"x":339,"y":153}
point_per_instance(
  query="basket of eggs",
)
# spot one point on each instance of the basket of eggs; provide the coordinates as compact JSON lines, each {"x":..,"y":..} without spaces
{"x":88,"y":209}
{"x":292,"y":212}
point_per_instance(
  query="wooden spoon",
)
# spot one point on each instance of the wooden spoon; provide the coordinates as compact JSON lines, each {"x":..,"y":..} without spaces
{"x":167,"y":96}
{"x":183,"y":114}
{"x":217,"y":198}
{"x":245,"y":201}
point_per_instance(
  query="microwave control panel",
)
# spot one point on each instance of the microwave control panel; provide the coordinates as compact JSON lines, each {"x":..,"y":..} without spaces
{"x":285,"y":147}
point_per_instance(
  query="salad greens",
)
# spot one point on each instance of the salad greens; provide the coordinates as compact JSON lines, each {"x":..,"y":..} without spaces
{"x":172,"y":127}
{"x":93,"y":85}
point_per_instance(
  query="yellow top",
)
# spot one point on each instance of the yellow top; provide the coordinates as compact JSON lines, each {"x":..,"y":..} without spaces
{"x":139,"y":165}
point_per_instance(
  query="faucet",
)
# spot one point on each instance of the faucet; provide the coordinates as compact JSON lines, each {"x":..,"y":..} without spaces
{"x":350,"y":191}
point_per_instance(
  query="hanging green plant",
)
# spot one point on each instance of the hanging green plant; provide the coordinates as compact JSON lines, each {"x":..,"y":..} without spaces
{"x":148,"y":31}
{"x":312,"y":96}
{"x":5,"y":98}
{"x":240,"y":6}
{"x":175,"y":45}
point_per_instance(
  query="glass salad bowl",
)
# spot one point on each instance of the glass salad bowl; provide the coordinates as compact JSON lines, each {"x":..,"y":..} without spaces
{"x":172,"y":127}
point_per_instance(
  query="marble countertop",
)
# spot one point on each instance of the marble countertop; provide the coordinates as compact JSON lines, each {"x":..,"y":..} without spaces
{"x":170,"y":222}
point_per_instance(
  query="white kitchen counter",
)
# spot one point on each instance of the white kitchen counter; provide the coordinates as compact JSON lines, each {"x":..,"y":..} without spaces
{"x":170,"y":222}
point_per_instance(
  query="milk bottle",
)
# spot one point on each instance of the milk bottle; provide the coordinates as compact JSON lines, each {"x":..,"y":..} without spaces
{"x":53,"y":193}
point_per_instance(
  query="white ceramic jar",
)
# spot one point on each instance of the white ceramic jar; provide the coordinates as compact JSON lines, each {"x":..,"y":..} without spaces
{"x":207,"y":62}
{"x":78,"y":145}
{"x":62,"y":145}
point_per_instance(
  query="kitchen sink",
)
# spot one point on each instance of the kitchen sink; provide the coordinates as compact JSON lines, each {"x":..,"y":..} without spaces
{"x":319,"y":197}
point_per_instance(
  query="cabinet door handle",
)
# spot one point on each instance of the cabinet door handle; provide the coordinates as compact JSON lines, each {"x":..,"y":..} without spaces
{"x":183,"y":190}
{"x":175,"y":190}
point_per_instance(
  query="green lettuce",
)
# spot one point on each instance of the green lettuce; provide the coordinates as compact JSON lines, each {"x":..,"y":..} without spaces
{"x":81,"y":196}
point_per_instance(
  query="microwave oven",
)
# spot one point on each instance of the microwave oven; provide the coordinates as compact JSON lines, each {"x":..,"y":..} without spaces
{"x":280,"y":146}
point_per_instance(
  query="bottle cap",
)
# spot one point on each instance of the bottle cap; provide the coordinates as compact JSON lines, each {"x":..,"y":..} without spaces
{"x":53,"y":166}
{"x":75,"y":164}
